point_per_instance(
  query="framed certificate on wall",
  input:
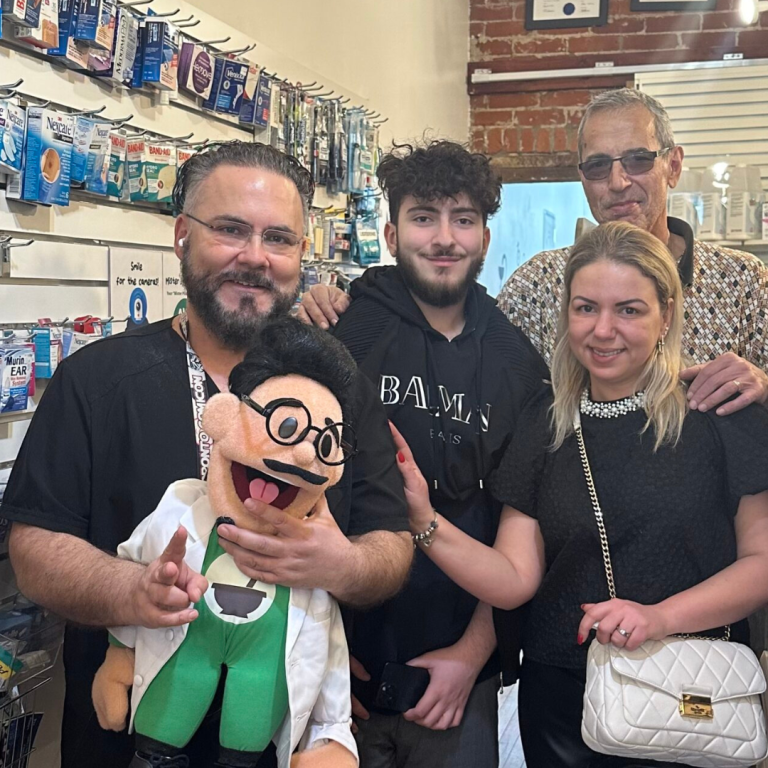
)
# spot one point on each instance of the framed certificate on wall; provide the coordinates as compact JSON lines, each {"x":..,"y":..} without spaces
{"x":672,"y":5}
{"x":558,"y":14}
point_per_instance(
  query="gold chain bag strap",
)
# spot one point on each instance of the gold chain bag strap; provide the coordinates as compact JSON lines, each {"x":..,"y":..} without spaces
{"x":684,"y":699}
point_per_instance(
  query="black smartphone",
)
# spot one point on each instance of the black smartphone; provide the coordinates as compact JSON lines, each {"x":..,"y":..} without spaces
{"x":401,"y":687}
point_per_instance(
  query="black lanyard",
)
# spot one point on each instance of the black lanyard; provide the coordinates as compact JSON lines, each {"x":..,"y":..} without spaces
{"x":199,"y":391}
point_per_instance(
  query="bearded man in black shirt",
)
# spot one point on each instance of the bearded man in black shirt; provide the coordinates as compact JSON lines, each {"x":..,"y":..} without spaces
{"x":119,"y":423}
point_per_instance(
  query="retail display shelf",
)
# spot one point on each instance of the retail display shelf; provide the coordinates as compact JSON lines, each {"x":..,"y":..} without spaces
{"x":11,"y":416}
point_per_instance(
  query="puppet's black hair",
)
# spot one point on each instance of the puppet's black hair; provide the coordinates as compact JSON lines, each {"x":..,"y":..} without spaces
{"x":288,"y":346}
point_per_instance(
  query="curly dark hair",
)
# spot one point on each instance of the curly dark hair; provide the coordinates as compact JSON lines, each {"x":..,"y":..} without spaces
{"x":439,"y":170}
{"x":288,"y":346}
{"x":245,"y":154}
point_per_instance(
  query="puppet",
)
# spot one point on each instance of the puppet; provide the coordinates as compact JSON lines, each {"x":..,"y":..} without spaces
{"x":278,"y":437}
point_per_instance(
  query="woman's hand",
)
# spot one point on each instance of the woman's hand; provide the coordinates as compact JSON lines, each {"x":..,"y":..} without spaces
{"x":420,"y":512}
{"x":638,"y":622}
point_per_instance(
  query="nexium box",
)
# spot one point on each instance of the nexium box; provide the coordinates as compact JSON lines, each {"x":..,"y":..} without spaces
{"x":48,"y":156}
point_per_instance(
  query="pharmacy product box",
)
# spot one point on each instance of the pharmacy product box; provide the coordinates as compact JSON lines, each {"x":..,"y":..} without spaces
{"x":48,"y":156}
{"x":26,"y":12}
{"x":81,"y":144}
{"x":209,"y":103}
{"x":160,"y":170}
{"x":48,"y":351}
{"x":13,"y":123}
{"x":744,"y":216}
{"x":46,"y":33}
{"x":712,"y":225}
{"x":681,"y":205}
{"x":137,"y":176}
{"x":196,"y":67}
{"x":126,"y":45}
{"x":96,"y":23}
{"x":117,"y":159}
{"x":97,"y":163}
{"x":16,"y":371}
{"x":67,"y":23}
{"x":248,"y":104}
{"x":263,"y":101}
{"x":161,"y":55}
{"x":765,"y":222}
{"x":182,"y":155}
{"x":231,"y":87}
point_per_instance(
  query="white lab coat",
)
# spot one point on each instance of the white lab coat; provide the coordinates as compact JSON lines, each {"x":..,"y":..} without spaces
{"x":316,"y":654}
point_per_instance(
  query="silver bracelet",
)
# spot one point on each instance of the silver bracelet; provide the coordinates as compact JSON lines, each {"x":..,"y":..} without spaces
{"x":425,"y":537}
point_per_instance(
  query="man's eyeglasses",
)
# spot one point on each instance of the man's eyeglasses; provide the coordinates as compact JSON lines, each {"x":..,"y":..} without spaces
{"x":235,"y":236}
{"x":289,"y":422}
{"x":633,"y":163}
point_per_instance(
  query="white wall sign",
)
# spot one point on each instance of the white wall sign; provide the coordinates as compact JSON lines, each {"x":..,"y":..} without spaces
{"x":135,"y":286}
{"x":174,"y":295}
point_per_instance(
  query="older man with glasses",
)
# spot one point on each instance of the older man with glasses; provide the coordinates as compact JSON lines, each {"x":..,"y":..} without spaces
{"x":629,"y":161}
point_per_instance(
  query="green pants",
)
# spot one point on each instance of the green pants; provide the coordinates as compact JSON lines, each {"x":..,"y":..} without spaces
{"x":252,"y":650}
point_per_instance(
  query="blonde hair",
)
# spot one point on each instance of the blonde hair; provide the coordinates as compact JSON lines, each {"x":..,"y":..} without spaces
{"x":665,"y":401}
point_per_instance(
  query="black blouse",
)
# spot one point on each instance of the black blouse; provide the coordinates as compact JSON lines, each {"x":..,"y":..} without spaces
{"x":669,"y":515}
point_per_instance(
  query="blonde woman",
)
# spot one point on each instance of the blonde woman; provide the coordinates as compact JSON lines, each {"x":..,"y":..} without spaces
{"x":684,"y":494}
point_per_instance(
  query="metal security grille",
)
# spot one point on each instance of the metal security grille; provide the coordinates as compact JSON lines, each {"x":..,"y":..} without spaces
{"x":718,"y":114}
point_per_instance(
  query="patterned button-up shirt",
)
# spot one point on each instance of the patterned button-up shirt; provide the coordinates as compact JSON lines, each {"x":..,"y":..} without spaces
{"x":725,"y":297}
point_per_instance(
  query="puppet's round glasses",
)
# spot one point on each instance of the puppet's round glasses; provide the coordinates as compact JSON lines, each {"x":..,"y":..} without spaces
{"x":289,"y":422}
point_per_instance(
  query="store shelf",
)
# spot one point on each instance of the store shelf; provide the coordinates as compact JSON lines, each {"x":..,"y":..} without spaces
{"x":11,"y":416}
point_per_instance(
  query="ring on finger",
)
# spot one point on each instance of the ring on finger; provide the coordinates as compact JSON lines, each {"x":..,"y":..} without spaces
{"x":623,"y":632}
{"x":596,"y":626}
{"x":738,"y":385}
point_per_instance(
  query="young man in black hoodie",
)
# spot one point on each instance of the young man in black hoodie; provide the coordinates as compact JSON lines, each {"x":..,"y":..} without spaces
{"x":453,"y":375}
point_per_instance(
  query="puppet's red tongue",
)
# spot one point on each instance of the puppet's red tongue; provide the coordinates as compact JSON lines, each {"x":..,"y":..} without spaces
{"x":263,"y":491}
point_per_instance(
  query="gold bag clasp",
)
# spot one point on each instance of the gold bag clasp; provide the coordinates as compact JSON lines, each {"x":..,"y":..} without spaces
{"x":696,"y":706}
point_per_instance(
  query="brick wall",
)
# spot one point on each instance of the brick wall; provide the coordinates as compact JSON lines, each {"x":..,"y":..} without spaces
{"x":530,"y":127}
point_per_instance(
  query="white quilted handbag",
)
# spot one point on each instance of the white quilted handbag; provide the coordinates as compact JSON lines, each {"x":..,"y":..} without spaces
{"x":680,"y":700}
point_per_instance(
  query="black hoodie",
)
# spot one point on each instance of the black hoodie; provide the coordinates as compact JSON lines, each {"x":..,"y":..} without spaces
{"x":456,"y":403}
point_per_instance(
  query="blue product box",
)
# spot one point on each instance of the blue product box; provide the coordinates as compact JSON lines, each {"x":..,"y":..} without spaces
{"x":80,"y":144}
{"x":232,"y":87}
{"x":97,"y":164}
{"x":67,"y":23}
{"x":96,"y":23}
{"x":248,"y":104}
{"x":218,"y":70}
{"x":16,"y":369}
{"x":48,"y":156}
{"x":161,"y":55}
{"x":263,"y":101}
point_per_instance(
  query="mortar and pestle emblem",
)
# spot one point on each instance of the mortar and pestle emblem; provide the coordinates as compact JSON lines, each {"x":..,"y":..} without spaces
{"x":238,"y":601}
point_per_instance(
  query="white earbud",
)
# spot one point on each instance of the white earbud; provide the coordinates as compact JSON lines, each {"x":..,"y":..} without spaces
{"x":181,"y":242}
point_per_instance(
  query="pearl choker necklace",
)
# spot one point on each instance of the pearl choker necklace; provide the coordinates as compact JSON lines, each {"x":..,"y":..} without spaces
{"x":612,"y":409}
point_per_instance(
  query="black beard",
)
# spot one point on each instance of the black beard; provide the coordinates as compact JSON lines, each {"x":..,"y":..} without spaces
{"x":436,"y":295}
{"x":236,"y":330}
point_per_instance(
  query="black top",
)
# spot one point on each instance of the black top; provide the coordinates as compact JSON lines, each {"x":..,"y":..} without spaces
{"x":456,"y":403}
{"x":669,"y":515}
{"x":113,"y":430}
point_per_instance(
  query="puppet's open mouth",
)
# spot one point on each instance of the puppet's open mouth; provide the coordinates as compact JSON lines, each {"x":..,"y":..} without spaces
{"x":250,"y":483}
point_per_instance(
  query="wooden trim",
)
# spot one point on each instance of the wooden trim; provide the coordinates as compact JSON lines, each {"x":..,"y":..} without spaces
{"x":553,"y":84}
{"x":516,"y":167}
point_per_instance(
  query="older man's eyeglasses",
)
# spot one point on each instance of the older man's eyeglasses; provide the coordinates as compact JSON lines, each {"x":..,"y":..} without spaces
{"x":289,"y":422}
{"x":633,"y":163}
{"x":235,"y":235}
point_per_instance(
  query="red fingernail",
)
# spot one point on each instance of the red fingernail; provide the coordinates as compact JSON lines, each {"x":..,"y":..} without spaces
{"x":579,"y":639}
{"x":401,"y":457}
